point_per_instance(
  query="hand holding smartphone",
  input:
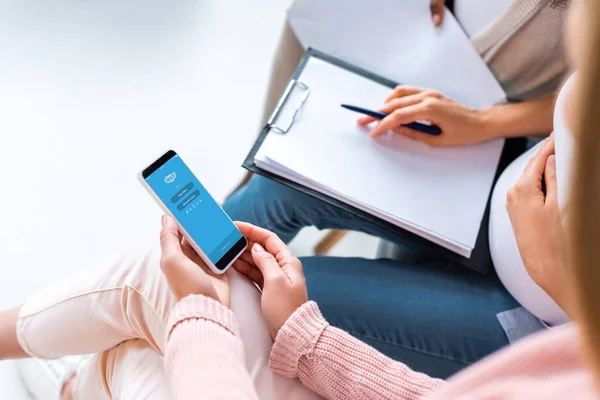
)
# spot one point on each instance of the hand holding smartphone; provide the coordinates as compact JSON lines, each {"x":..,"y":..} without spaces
{"x":200,"y":219}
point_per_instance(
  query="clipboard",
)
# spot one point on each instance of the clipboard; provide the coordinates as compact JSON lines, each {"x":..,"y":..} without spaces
{"x":480,"y":260}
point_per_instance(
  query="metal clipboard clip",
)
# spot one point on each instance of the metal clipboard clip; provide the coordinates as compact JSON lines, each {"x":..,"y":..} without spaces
{"x":294,"y":84}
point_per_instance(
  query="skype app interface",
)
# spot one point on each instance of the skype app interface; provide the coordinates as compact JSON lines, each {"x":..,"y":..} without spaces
{"x":193,"y":207}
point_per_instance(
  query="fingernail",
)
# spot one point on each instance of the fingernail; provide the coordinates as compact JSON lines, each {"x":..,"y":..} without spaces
{"x":436,"y":20}
{"x":163,"y":219}
{"x":552,"y":161}
{"x":257,"y":247}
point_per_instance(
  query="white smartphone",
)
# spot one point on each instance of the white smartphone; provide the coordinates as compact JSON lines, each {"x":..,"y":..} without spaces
{"x":201,"y":220}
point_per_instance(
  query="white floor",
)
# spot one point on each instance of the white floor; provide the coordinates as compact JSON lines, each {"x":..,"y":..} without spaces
{"x":90,"y":91}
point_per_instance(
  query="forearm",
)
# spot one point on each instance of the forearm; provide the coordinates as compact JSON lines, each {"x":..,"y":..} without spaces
{"x":338,"y":366}
{"x":529,"y":118}
{"x":204,"y":354}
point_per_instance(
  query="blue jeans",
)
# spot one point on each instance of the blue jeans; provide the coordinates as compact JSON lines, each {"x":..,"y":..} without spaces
{"x":433,"y":315}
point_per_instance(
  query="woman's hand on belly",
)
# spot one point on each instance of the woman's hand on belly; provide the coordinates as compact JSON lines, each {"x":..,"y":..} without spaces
{"x":532,"y":206}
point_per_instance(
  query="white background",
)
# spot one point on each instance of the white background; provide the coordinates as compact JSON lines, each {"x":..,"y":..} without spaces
{"x":90,"y":92}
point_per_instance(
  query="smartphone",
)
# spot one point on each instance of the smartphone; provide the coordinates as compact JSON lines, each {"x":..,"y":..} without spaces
{"x":201,"y":220}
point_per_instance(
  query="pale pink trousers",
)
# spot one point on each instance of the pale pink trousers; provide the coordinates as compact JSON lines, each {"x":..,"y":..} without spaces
{"x":120,"y":313}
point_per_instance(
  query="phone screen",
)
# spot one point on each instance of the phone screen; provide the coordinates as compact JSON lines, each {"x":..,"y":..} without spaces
{"x":199,"y":214}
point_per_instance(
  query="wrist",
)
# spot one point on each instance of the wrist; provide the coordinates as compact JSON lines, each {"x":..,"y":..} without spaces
{"x":534,"y":117}
{"x":282,"y":320}
{"x":490,"y":123}
{"x":554,"y":284}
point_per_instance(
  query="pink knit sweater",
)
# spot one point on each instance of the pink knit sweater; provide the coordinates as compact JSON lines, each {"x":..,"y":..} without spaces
{"x":204,"y":355}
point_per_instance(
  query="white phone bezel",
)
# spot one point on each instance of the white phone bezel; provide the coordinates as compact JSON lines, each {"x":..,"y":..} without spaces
{"x":185,"y":234}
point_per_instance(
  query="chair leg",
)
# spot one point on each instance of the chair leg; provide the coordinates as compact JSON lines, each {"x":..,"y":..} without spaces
{"x":328,"y":241}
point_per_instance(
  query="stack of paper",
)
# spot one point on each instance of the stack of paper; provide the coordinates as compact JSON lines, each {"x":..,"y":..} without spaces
{"x":437,"y":193}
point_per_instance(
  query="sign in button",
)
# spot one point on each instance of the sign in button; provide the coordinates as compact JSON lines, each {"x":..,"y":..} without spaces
{"x":182,"y":192}
{"x":188,"y":200}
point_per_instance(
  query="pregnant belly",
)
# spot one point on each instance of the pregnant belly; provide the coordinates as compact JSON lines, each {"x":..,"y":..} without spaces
{"x":505,"y":252}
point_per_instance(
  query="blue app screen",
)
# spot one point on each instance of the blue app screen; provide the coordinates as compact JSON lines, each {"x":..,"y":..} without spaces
{"x":194,"y":208}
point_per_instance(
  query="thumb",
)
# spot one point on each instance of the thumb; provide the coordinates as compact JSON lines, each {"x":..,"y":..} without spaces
{"x":550,"y":179}
{"x":170,"y":238}
{"x":266,"y":263}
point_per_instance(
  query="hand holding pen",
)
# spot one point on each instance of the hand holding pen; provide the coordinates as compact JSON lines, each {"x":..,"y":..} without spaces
{"x":459,"y":125}
{"x":416,"y":126}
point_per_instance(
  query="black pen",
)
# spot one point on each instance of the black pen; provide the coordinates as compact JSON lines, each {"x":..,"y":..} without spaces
{"x":417,"y":126}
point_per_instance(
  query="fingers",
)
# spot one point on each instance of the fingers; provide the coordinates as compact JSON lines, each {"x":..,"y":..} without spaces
{"x":175,"y":265}
{"x":265,"y":238}
{"x":186,"y":246}
{"x":401,"y":116}
{"x":414,"y":135}
{"x":537,"y":164}
{"x":547,"y":148}
{"x":366,"y":120}
{"x":170,"y":239}
{"x":437,"y":12}
{"x":398,"y":93}
{"x":251,"y":271}
{"x":266,"y":263}
{"x":268,"y":253}
{"x":402,"y":102}
{"x":291,"y":266}
{"x":251,"y":232}
{"x":550,"y":178}
{"x":394,"y":104}
{"x":247,"y":256}
{"x":403,"y":90}
{"x":192,"y":255}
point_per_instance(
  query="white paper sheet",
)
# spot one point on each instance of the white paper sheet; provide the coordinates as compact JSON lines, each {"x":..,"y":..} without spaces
{"x":439,"y":193}
{"x":264,"y":162}
{"x":396,"y":39}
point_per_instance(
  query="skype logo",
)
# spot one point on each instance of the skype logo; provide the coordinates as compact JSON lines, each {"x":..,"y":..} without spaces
{"x":170,"y":178}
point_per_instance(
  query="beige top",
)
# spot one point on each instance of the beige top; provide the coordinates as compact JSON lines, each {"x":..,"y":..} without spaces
{"x":524,"y":48}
